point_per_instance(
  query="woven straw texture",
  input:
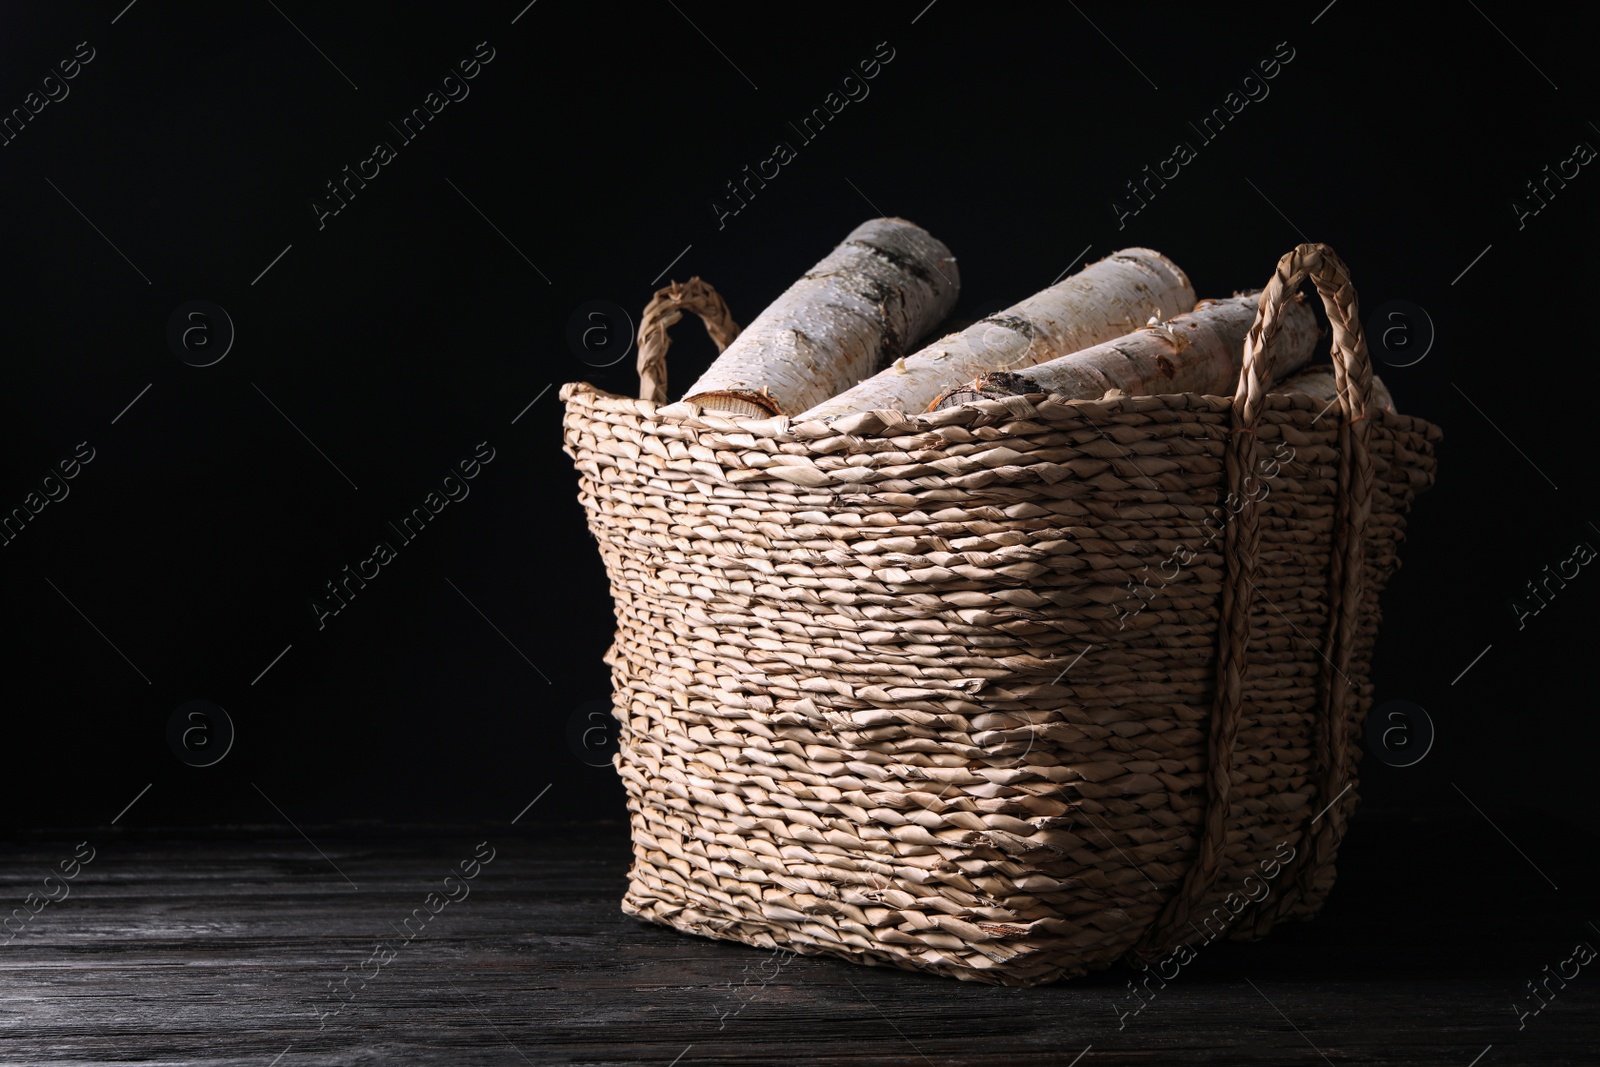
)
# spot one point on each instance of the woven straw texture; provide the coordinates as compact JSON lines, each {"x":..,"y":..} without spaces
{"x":1004,"y":692}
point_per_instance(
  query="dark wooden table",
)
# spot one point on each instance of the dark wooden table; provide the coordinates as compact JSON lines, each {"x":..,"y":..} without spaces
{"x":222,"y":949}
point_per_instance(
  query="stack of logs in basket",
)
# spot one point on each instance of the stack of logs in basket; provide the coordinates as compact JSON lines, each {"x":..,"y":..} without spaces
{"x":841,"y":340}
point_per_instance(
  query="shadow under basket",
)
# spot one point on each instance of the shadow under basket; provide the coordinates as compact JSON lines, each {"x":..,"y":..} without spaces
{"x":1007,"y":691}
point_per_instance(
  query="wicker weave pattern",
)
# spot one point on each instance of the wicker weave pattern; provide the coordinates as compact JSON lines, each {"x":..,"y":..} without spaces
{"x":884,"y":693}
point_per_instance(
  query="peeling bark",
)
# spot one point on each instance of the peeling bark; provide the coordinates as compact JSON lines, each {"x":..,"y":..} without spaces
{"x":1201,"y":351}
{"x":873,"y":297}
{"x":1101,"y":302}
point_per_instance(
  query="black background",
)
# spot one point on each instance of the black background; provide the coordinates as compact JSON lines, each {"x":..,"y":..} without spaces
{"x":414,"y":325}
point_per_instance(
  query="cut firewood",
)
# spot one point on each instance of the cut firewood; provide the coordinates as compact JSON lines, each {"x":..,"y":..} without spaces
{"x":1201,"y":351}
{"x":1317,"y":383}
{"x":1103,"y":301}
{"x":867,"y":303}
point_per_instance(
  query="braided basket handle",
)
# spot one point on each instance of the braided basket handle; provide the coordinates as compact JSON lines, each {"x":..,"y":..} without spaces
{"x":1353,"y":377}
{"x":666,"y":307}
{"x":1352,"y":367}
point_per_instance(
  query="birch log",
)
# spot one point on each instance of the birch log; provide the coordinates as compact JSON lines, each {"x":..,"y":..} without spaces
{"x":873,"y":297}
{"x":1201,"y":351}
{"x":1101,"y":302}
{"x":1317,"y":383}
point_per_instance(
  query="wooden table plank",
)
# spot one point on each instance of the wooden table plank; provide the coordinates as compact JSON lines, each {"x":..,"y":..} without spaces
{"x":218,"y":949}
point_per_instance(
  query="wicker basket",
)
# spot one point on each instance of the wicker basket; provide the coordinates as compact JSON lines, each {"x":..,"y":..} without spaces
{"x":1007,"y":691}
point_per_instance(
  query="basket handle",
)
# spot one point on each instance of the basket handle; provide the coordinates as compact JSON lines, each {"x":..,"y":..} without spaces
{"x":1352,"y":370}
{"x":664,"y":309}
{"x":1352,"y":367}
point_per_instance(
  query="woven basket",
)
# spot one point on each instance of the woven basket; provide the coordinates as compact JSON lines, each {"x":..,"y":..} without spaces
{"x":1007,"y":691}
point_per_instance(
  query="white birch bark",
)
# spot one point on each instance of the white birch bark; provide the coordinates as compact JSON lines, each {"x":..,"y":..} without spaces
{"x":1103,"y":301}
{"x":1317,"y":383}
{"x":868,"y":302}
{"x":1201,"y":351}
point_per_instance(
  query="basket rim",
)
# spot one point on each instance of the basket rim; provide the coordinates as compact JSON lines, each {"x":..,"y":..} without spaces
{"x":890,"y":423}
